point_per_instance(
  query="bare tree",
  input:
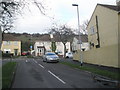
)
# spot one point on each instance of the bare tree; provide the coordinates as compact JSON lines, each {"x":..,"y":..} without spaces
{"x":64,"y":33}
{"x":9,"y":9}
{"x":84,"y":27}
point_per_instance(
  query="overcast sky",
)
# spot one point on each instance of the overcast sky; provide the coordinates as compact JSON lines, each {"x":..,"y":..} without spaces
{"x":61,"y":10}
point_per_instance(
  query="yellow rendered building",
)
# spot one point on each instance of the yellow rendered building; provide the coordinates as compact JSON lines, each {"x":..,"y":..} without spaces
{"x":11,"y":45}
{"x":103,"y":36}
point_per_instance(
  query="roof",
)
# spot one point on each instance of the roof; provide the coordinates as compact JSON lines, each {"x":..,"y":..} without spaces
{"x":113,"y":7}
{"x":84,"y":38}
{"x":8,"y":37}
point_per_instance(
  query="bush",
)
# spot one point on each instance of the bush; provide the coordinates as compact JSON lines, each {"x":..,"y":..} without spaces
{"x":7,"y":55}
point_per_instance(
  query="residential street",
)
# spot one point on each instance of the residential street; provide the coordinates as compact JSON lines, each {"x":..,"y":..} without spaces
{"x":81,"y":36}
{"x":34,"y":73}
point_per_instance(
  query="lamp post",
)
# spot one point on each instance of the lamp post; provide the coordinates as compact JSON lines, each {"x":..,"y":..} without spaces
{"x":80,"y":41}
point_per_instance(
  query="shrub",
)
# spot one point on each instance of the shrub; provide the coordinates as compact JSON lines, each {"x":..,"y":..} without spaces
{"x":7,"y":55}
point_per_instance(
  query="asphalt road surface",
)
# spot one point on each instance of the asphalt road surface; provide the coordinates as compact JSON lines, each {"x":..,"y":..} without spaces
{"x":34,"y":73}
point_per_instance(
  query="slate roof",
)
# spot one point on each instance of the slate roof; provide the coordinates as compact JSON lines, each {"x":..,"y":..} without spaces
{"x":113,"y":7}
{"x":83,"y":37}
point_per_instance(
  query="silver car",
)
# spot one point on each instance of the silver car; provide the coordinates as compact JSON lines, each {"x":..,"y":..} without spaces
{"x":50,"y":57}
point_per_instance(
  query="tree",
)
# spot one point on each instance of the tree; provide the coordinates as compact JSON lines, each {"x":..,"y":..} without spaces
{"x":26,"y":45}
{"x":84,"y":27}
{"x":53,"y":46}
{"x":9,"y":9}
{"x":64,"y":33}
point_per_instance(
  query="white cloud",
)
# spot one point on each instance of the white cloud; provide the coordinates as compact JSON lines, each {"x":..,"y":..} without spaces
{"x":61,"y":10}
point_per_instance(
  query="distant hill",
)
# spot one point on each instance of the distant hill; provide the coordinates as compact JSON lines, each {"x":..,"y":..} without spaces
{"x":25,"y":37}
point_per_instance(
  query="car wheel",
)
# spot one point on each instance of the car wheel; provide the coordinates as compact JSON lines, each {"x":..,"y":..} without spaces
{"x":67,"y":57}
{"x":46,"y":60}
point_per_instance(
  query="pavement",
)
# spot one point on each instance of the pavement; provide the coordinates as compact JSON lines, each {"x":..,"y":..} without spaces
{"x":111,"y":69}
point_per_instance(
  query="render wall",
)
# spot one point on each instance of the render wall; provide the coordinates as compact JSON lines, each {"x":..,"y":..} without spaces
{"x":108,"y":26}
{"x":12,"y":46}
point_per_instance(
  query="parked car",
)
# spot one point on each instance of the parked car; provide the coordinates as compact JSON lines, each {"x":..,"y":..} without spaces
{"x":24,"y":53}
{"x":50,"y":57}
{"x":69,"y":55}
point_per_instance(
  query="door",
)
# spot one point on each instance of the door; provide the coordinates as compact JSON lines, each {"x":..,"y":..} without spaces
{"x":15,"y":52}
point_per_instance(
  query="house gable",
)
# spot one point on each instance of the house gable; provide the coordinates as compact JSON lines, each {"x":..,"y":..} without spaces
{"x":105,"y":18}
{"x":112,"y":7}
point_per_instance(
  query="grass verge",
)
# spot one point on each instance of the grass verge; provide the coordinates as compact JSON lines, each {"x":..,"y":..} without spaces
{"x":106,"y":73}
{"x":7,"y":74}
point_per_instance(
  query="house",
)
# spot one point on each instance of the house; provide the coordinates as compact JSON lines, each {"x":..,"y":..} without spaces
{"x":41,"y":47}
{"x":44,"y":45}
{"x":11,"y":45}
{"x":103,"y":31}
{"x":75,"y":44}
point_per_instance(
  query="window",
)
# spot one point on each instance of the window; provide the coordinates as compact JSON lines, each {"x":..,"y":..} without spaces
{"x":92,"y":30}
{"x":6,"y":42}
{"x":15,"y":43}
{"x":50,"y":54}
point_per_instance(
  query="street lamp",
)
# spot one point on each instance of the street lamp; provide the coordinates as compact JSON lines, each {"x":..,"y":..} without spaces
{"x":80,"y":41}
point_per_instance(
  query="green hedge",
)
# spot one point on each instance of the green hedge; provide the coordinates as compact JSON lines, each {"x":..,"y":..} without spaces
{"x":7,"y":55}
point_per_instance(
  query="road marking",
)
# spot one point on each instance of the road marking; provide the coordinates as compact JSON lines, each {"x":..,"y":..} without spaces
{"x":41,"y":65}
{"x":26,"y":61}
{"x":35,"y":61}
{"x":57,"y":77}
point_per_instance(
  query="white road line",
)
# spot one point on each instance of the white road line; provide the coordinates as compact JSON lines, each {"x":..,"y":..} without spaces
{"x":57,"y":77}
{"x":41,"y":65}
{"x":35,"y":61}
{"x":26,"y":61}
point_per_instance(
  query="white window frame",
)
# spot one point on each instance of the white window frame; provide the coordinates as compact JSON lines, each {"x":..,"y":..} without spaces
{"x":92,"y":30}
{"x":7,"y":43}
{"x":15,"y":42}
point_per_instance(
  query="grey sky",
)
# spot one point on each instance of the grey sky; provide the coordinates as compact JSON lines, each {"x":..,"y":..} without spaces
{"x":62,"y":11}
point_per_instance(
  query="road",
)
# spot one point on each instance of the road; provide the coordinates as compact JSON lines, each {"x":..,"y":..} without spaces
{"x":34,"y":73}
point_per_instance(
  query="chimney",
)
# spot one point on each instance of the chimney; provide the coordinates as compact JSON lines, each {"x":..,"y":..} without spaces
{"x":118,"y":2}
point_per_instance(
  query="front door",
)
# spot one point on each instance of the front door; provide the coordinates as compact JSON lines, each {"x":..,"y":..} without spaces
{"x":41,"y":51}
{"x":15,"y":52}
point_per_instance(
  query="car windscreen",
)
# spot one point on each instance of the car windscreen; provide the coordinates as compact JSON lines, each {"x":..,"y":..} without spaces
{"x":48,"y":54}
